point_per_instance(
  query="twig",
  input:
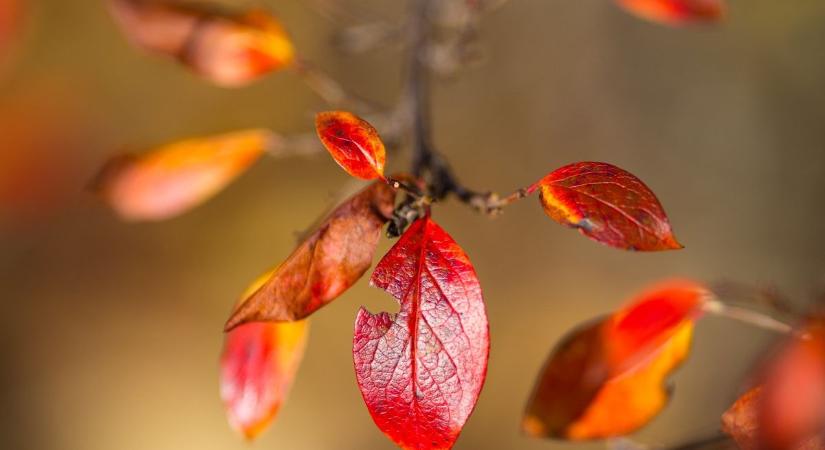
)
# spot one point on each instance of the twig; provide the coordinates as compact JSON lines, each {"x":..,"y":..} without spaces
{"x":746,"y":315}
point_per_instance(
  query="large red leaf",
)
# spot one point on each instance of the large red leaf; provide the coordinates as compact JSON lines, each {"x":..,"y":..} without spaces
{"x":421,"y":370}
{"x":676,"y":12}
{"x":787,"y":408}
{"x":607,"y":377}
{"x":353,"y":143}
{"x":225,"y":48}
{"x":608,"y":205}
{"x":330,"y":260}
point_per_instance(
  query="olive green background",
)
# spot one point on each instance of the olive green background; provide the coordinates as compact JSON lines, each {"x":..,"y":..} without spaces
{"x":110,"y":332}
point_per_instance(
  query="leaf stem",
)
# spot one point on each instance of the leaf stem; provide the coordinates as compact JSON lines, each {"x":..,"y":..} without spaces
{"x":748,"y":316}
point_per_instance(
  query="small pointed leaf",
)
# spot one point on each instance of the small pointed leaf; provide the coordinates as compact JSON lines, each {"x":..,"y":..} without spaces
{"x":676,"y":12}
{"x":353,"y":143}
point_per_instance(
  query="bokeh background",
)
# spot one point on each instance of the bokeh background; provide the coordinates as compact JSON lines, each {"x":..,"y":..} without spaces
{"x":110,"y":332}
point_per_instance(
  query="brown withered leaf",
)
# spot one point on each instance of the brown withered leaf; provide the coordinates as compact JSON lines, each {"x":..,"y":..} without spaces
{"x":328,"y":261}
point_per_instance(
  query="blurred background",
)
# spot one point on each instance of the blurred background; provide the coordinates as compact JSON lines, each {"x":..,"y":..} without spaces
{"x":111,"y":332}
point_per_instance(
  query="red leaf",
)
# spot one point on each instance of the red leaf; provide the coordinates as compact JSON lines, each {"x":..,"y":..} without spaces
{"x":608,"y":205}
{"x":330,"y":260}
{"x":787,"y":408}
{"x":676,"y":12}
{"x":421,"y":370}
{"x":607,"y":377}
{"x":225,"y":48}
{"x":258,"y":365}
{"x":353,"y":143}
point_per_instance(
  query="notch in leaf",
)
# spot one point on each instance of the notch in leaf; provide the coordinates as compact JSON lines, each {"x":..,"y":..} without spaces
{"x":170,"y":180}
{"x":606,"y":204}
{"x":325,"y":264}
{"x":353,"y":143}
{"x":228,"y":49}
{"x":257,"y":367}
{"x":676,"y":12}
{"x":420,"y":371}
{"x":606,"y":378}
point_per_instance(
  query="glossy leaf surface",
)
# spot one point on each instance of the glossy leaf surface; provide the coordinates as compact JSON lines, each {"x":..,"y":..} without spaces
{"x":173,"y":179}
{"x":420,"y":371}
{"x":607,"y":377}
{"x":330,"y":260}
{"x":787,"y":408}
{"x":225,"y":48}
{"x":676,"y":12}
{"x":608,"y":205}
{"x":353,"y":143}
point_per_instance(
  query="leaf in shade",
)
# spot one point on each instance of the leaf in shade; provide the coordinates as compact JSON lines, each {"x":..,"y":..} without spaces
{"x":420,"y":371}
{"x":607,"y":377}
{"x":258,"y":366}
{"x":325,"y":264}
{"x":175,"y":178}
{"x":676,"y":12}
{"x":787,"y":408}
{"x":608,"y":205}
{"x":228,"y":49}
{"x":353,"y":143}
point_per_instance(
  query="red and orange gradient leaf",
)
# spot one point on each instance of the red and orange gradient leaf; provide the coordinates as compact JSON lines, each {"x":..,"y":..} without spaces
{"x":228,"y":49}
{"x":421,"y":370}
{"x":353,"y":143}
{"x":787,"y":408}
{"x":330,"y":260}
{"x":177,"y":177}
{"x":606,"y":204}
{"x":607,"y":378}
{"x":676,"y":12}
{"x":258,"y":365}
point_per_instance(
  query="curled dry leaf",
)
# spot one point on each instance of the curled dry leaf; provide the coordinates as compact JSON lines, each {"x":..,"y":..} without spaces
{"x":258,"y":365}
{"x":606,"y":204}
{"x":420,"y":371}
{"x":353,"y":143}
{"x":607,"y":378}
{"x":786,"y":410}
{"x":330,"y":260}
{"x":676,"y":12}
{"x":175,"y":178}
{"x":227,"y":49}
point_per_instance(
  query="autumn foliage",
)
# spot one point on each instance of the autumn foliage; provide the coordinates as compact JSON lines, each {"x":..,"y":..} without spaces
{"x":421,"y":370}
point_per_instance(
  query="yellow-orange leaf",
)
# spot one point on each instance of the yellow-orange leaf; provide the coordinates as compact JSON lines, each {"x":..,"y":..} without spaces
{"x":226,"y":48}
{"x":258,"y":365}
{"x":607,"y":378}
{"x":353,"y":143}
{"x":172,"y":179}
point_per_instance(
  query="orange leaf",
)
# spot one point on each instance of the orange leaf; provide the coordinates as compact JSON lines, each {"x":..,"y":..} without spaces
{"x":325,"y":264}
{"x":175,"y":178}
{"x":258,"y":365}
{"x":228,"y":49}
{"x":676,"y":12}
{"x":607,"y":378}
{"x":787,"y":409}
{"x":606,"y":204}
{"x":353,"y":143}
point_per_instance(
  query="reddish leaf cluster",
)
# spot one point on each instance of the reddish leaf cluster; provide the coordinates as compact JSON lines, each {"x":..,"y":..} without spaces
{"x":786,"y":409}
